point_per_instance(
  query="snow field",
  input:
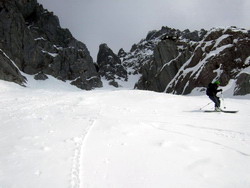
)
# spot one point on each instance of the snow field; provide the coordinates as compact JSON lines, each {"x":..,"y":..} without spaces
{"x":55,"y":135}
{"x":155,"y":142}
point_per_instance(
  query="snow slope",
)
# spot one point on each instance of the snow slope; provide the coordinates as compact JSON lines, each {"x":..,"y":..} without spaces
{"x":54,"y":135}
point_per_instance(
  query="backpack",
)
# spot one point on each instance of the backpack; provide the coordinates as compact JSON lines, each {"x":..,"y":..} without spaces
{"x":210,"y":89}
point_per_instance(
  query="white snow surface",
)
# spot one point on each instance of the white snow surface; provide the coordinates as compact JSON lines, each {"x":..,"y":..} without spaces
{"x":53,"y":135}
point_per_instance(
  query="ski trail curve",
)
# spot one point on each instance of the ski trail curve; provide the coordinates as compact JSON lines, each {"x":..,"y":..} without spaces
{"x":79,"y":143}
{"x":202,"y":139}
{"x":76,"y":167}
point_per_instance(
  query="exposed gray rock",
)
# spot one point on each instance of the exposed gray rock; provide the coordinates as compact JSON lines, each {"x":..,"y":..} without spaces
{"x":178,"y":62}
{"x":242,"y":84}
{"x":32,"y":37}
{"x":220,"y":57}
{"x":110,"y":66}
{"x":113,"y":83}
{"x":8,"y":71}
{"x":162,"y":68}
{"x":87,"y":83}
{"x":121,"y":53}
{"x":40,"y":76}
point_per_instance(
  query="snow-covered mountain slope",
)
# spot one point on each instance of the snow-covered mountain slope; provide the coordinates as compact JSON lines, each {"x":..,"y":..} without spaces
{"x":55,"y":135}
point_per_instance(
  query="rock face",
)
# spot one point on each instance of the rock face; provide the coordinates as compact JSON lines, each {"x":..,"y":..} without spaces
{"x":243,"y":84}
{"x":8,"y":71}
{"x":110,"y":66}
{"x":179,"y":62}
{"x":221,"y":55}
{"x":33,"y":39}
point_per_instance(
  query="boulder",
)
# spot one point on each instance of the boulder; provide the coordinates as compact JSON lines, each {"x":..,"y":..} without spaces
{"x":40,"y":76}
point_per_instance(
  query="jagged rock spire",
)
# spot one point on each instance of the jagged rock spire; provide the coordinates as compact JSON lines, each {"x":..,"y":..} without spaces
{"x":110,"y":66}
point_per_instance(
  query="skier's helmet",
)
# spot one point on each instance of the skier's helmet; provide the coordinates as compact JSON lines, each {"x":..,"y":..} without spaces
{"x":217,"y":82}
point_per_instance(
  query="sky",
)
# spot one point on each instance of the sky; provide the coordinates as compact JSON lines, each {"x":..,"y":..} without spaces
{"x":122,"y":23}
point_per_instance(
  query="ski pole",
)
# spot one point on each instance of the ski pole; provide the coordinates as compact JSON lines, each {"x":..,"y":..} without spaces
{"x":222,"y":98}
{"x":205,"y":105}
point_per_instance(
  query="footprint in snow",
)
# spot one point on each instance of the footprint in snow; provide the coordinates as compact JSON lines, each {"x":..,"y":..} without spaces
{"x":198,"y":163}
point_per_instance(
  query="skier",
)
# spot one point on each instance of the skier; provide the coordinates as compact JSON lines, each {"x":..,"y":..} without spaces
{"x":212,"y":90}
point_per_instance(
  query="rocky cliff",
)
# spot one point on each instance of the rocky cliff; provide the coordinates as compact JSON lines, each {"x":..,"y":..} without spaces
{"x":181,"y":62}
{"x":32,"y":42}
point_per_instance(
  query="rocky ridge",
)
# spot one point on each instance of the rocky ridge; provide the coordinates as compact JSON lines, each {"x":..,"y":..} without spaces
{"x":181,"y":62}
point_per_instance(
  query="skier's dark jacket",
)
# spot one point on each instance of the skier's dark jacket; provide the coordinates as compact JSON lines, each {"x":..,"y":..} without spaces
{"x":212,"y":89}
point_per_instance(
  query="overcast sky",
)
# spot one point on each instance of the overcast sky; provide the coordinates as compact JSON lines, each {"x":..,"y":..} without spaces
{"x":121,"y":23}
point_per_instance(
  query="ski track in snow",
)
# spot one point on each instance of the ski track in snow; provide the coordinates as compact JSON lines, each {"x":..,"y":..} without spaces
{"x":206,"y":140}
{"x":76,"y":167}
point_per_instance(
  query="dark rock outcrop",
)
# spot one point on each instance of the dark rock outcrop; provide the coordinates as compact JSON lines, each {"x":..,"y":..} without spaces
{"x":122,"y":53}
{"x":8,"y":70}
{"x":242,"y":84}
{"x":110,"y":66}
{"x":41,"y":76}
{"x":178,"y":62}
{"x":31,"y":36}
{"x":220,"y":56}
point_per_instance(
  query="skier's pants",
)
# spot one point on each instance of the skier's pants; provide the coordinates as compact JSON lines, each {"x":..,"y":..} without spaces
{"x":216,"y":100}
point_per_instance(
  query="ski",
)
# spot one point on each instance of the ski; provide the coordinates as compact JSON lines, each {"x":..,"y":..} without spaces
{"x":224,"y":111}
{"x":230,"y":111}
